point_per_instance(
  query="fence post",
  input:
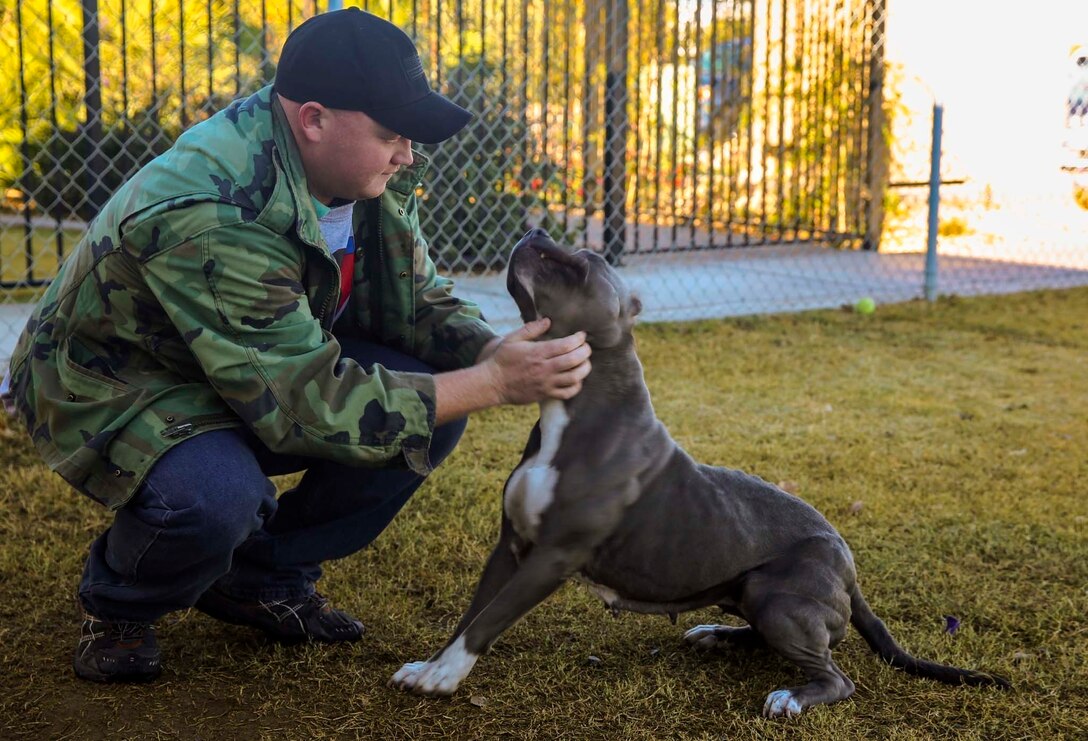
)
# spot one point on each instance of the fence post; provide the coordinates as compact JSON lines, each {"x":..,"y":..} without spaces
{"x":934,"y":204}
{"x":877,"y":175}
{"x":615,"y":128}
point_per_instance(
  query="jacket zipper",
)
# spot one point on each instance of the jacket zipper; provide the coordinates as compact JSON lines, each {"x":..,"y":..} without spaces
{"x":376,"y":277}
{"x":184,"y":429}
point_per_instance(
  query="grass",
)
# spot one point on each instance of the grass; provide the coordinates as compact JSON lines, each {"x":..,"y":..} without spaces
{"x":947,"y":442}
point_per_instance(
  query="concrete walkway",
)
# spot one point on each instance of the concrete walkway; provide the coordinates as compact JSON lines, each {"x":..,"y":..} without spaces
{"x":764,"y":280}
{"x":767,"y":280}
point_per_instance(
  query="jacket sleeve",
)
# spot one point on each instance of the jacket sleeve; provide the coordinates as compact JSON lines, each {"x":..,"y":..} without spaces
{"x":236,"y":294}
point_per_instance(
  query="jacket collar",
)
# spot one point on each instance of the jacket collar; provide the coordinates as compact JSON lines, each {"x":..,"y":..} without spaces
{"x":294,"y":176}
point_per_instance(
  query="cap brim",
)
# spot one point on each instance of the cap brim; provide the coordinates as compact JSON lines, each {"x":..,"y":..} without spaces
{"x":429,"y":120}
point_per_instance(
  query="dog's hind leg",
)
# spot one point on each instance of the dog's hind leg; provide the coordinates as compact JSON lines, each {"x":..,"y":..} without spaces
{"x":800,"y":604}
{"x":798,"y":629}
{"x":712,"y":636}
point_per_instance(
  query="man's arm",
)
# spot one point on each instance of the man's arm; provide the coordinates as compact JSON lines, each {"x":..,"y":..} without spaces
{"x":514,"y":370}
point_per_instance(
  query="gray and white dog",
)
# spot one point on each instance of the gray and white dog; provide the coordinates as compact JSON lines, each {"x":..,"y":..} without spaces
{"x":604,"y":494}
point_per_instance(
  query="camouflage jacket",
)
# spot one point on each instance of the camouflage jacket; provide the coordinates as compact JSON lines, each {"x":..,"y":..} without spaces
{"x":202,"y":297}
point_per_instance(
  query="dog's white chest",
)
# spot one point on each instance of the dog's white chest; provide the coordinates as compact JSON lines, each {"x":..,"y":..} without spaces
{"x":531,"y":487}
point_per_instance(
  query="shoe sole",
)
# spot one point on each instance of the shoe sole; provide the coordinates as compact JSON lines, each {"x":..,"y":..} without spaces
{"x":91,"y":675}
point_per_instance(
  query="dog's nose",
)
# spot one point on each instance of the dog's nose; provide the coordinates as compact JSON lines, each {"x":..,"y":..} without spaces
{"x":535,"y":232}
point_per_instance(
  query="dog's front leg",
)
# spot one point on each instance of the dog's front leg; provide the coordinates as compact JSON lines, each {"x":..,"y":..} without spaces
{"x":501,"y":567}
{"x":536,"y":577}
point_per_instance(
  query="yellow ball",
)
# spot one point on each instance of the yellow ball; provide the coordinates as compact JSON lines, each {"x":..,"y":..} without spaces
{"x":865,"y":306}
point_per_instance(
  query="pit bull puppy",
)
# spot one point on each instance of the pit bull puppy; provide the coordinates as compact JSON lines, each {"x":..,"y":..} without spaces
{"x":604,"y":494}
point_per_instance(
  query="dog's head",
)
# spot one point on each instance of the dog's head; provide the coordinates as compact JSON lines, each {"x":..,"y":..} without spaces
{"x":577,"y":290}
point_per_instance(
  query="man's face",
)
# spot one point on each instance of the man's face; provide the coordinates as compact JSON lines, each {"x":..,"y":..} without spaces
{"x":356,"y":157}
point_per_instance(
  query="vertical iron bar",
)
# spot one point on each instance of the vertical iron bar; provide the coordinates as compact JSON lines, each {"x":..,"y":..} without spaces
{"x":812,"y":125}
{"x":58,"y":231}
{"x":729,"y":72}
{"x":875,"y":157}
{"x":124,"y":55}
{"x":695,"y":109}
{"x":820,"y":120}
{"x":92,"y":102}
{"x":181,"y":51}
{"x":505,"y":50}
{"x":24,"y":147}
{"x":674,"y":170}
{"x":545,"y":69}
{"x":616,"y":126}
{"x":568,"y":177}
{"x":851,"y":121}
{"x":658,"y":57}
{"x":523,"y":164}
{"x":153,"y":105}
{"x":765,"y":138}
{"x":459,"y":8}
{"x":780,"y":164}
{"x":798,"y":129}
{"x":637,"y":187}
{"x":438,"y":44}
{"x":237,"y":49}
{"x":712,"y":118}
{"x":266,"y":57}
{"x":209,"y":104}
{"x":858,"y":165}
{"x":837,"y":119}
{"x":750,"y":33}
{"x":591,"y":28}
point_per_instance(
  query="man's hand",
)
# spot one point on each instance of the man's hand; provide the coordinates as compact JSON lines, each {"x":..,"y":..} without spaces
{"x":524,"y":371}
{"x":515,"y":370}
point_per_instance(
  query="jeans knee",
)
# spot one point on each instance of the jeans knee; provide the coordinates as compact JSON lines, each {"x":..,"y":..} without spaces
{"x":445,"y":439}
{"x":222,"y":523}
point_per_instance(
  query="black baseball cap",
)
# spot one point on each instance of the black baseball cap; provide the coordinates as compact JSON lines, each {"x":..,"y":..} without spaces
{"x":353,"y":60}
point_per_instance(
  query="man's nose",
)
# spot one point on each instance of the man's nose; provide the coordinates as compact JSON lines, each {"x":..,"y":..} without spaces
{"x":403,"y":155}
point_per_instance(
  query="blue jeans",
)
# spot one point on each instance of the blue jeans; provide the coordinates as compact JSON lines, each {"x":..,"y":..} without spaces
{"x":207,"y":514}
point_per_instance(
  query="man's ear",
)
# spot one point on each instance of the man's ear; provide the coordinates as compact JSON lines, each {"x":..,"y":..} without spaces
{"x":312,"y":120}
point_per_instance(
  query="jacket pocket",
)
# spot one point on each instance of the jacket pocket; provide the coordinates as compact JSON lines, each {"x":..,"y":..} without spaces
{"x":81,"y":381}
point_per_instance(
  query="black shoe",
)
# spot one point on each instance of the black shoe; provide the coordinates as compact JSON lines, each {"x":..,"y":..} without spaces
{"x":288,"y":621}
{"x":116,"y":651}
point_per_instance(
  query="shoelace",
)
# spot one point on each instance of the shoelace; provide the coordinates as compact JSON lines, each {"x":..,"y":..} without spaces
{"x":94,"y":628}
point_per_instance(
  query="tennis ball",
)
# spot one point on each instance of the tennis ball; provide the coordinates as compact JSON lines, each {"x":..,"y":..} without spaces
{"x":865,"y":306}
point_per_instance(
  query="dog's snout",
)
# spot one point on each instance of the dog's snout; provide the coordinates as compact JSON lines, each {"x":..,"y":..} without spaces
{"x":535,"y":233}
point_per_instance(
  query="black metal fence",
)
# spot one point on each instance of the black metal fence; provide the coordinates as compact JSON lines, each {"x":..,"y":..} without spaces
{"x":631,"y":127}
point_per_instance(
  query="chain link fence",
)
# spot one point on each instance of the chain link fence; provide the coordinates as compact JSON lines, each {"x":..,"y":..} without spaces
{"x":731,"y":155}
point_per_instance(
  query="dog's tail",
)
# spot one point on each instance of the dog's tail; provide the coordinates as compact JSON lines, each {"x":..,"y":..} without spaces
{"x":876,"y":634}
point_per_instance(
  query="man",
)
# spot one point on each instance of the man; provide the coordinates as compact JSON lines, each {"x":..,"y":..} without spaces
{"x":256,"y":301}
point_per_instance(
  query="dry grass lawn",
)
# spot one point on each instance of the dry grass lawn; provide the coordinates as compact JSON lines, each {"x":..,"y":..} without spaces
{"x":947,"y":442}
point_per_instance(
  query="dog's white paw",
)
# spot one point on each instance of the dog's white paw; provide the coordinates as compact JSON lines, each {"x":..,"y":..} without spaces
{"x":779,"y":703}
{"x":441,"y":676}
{"x":703,"y":636}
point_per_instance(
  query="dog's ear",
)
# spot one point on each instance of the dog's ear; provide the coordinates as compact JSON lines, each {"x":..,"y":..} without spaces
{"x":634,"y":306}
